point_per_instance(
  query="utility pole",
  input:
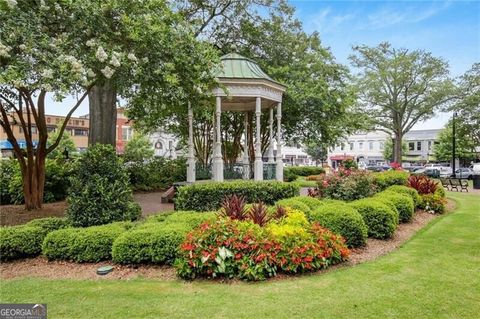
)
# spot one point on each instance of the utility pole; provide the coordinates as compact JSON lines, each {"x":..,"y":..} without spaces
{"x":453,"y":145}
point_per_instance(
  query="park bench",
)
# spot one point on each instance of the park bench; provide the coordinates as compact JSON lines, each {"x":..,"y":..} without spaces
{"x":445,"y":183}
{"x":455,"y":183}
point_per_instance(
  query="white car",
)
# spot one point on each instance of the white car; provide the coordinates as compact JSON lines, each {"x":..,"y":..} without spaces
{"x":476,"y":168}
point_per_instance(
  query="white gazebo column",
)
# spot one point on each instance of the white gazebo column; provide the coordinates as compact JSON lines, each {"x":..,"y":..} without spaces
{"x":271,"y":159}
{"x":246,"y":161}
{"x":191,"y":155}
{"x":279,"y":171}
{"x":217,"y":152}
{"x":258,"y":165}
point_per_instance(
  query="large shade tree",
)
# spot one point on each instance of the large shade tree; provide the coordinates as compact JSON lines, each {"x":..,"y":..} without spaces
{"x":399,"y":88}
{"x":140,"y":47}
{"x":465,"y":147}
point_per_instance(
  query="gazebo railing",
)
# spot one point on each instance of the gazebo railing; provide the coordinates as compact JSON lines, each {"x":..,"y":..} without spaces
{"x":269,"y":171}
{"x":203,"y":171}
{"x":233,"y":171}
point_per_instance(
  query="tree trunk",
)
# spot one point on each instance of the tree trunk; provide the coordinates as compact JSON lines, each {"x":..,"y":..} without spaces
{"x":33,"y":177}
{"x":103,"y":114}
{"x":397,"y":148}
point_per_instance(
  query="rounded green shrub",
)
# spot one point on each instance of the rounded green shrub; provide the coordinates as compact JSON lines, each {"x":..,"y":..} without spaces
{"x":311,"y":202}
{"x":380,"y":219}
{"x":412,"y":192}
{"x":20,"y":241}
{"x":153,"y":243}
{"x":402,"y":202}
{"x":93,"y":244}
{"x":49,"y":224}
{"x":295,"y":204}
{"x":89,"y":244}
{"x":389,"y":178}
{"x":100,"y":192}
{"x":343,"y":220}
{"x":57,"y":244}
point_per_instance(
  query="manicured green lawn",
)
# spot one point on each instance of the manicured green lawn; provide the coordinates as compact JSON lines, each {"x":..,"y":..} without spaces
{"x":304,"y":183}
{"x":434,"y":275}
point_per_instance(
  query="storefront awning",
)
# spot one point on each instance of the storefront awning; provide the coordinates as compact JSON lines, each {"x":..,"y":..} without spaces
{"x":341,"y":157}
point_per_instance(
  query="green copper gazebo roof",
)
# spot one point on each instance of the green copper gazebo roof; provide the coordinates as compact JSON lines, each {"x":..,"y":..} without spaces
{"x":236,"y":66}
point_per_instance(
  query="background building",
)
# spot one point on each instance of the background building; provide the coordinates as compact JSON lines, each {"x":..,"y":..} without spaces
{"x":368,"y":147}
{"x":77,"y":127}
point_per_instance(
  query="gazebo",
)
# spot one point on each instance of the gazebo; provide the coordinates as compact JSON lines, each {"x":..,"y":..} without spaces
{"x":247,"y":88}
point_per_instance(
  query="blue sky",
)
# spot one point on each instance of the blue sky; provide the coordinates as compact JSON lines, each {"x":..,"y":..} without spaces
{"x":448,"y":29}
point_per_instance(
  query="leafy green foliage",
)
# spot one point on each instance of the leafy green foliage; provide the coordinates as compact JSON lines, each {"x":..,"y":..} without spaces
{"x":138,"y":149}
{"x":403,"y":203}
{"x":465,"y":147}
{"x":380,"y":219}
{"x":311,"y":202}
{"x":156,"y":243}
{"x":412,"y":192}
{"x":56,"y":181}
{"x":389,"y":178}
{"x":49,"y":224}
{"x":89,"y":244}
{"x":209,"y":196}
{"x":156,"y":173}
{"x":100,"y":191}
{"x":20,"y":241}
{"x":343,"y":220}
{"x":66,"y":144}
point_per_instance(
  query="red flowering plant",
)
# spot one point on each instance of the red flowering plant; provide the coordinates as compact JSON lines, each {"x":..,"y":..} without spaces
{"x":396,"y":166}
{"x":422,"y":184}
{"x":347,"y":185}
{"x":227,"y":248}
{"x":241,"y":249}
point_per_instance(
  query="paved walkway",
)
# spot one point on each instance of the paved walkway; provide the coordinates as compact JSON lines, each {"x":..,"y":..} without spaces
{"x":151,"y":203}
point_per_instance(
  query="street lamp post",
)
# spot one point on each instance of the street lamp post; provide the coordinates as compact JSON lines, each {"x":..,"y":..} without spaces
{"x":453,"y":144}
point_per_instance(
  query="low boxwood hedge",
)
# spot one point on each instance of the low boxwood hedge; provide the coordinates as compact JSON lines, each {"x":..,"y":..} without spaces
{"x":89,"y":244}
{"x":209,"y":196}
{"x":191,"y":218}
{"x":156,"y":243}
{"x":303,"y":170}
{"x":389,"y":178}
{"x":343,"y":220}
{"x":20,"y":241}
{"x":49,"y":224}
{"x":380,"y":219}
{"x":311,"y":202}
{"x":412,"y":192}
{"x":402,"y":202}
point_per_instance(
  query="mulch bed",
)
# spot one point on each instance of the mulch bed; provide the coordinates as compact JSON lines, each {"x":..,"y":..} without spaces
{"x":16,"y":214}
{"x":41,"y":267}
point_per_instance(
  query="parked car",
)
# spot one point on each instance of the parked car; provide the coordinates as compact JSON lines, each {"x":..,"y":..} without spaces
{"x":412,"y":168}
{"x":464,"y":172}
{"x":378,"y":168}
{"x":476,"y":168}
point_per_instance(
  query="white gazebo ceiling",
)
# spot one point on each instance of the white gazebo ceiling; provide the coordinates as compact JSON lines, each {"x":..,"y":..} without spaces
{"x":242,"y":81}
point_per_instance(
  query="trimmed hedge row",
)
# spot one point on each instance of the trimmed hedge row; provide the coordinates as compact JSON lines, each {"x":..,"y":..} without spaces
{"x":344,"y":220}
{"x":26,"y":240}
{"x":90,"y":244}
{"x":303,"y":170}
{"x":209,"y":196}
{"x":380,"y":219}
{"x":151,"y":243}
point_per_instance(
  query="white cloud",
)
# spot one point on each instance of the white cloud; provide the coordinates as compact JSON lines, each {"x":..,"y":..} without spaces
{"x":388,"y":16}
{"x":325,"y":21}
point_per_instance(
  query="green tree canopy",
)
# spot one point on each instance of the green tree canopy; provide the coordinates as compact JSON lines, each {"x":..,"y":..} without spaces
{"x":138,"y":149}
{"x":399,"y":88}
{"x":465,"y":146}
